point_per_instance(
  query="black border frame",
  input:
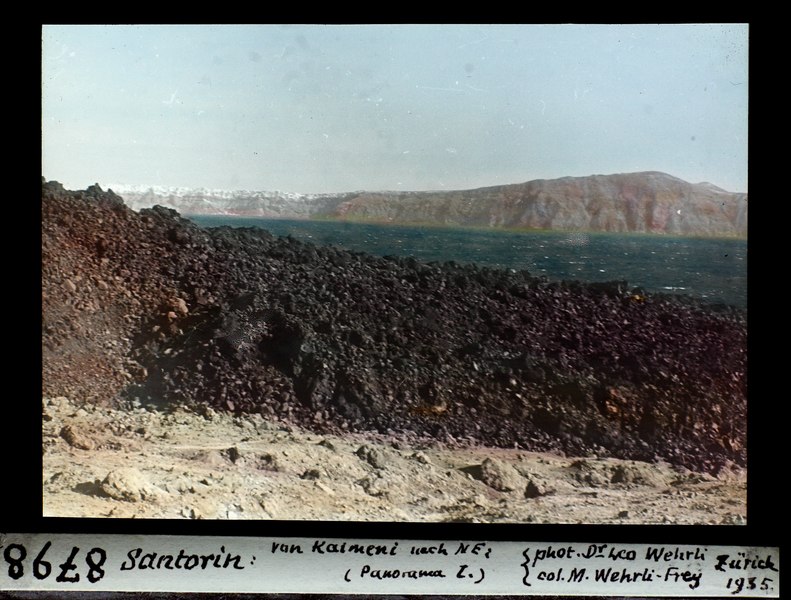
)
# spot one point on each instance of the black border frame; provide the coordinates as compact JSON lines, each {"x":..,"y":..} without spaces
{"x":22,"y":464}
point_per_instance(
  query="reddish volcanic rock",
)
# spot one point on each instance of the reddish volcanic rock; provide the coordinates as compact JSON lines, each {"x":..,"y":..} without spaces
{"x":149,"y":308}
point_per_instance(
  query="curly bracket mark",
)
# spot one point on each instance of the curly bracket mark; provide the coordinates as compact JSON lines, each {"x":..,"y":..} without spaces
{"x":526,"y":566}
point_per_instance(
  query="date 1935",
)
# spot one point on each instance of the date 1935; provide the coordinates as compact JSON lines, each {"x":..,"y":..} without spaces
{"x":67,"y":572}
{"x":737,"y":585}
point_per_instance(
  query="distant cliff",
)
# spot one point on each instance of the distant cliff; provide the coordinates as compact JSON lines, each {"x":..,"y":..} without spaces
{"x":244,"y":203}
{"x":647,"y":202}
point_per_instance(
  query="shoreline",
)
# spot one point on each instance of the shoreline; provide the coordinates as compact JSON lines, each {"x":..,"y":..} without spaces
{"x":471,"y":228}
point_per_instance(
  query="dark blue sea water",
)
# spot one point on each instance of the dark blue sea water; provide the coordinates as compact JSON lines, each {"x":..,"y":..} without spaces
{"x":711,"y":269}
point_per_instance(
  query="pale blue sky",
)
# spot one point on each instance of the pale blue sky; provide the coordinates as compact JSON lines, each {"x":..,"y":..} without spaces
{"x":343,"y":108}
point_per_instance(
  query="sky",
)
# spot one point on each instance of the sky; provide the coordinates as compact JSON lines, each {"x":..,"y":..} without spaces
{"x":331,"y":108}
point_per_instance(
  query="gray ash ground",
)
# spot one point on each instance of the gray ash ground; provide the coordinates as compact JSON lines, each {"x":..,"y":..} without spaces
{"x":149,"y":308}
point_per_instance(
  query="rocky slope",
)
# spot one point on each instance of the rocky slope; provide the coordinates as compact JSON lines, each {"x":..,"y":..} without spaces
{"x":149,"y":309}
{"x":647,"y":202}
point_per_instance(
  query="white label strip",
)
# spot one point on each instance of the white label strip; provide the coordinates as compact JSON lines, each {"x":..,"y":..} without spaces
{"x":357,"y":566}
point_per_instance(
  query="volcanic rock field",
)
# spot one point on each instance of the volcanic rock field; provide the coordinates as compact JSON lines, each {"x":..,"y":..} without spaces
{"x":145,"y":308}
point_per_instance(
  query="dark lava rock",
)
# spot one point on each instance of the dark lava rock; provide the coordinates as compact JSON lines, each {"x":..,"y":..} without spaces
{"x":534,"y":489}
{"x":311,"y":474}
{"x":233,"y":454}
{"x":335,"y":341}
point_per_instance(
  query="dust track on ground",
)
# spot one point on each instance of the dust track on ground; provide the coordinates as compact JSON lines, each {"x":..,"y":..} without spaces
{"x":100,"y":462}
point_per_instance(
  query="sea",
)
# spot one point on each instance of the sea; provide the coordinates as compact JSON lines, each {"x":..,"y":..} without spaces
{"x":712,"y":270}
